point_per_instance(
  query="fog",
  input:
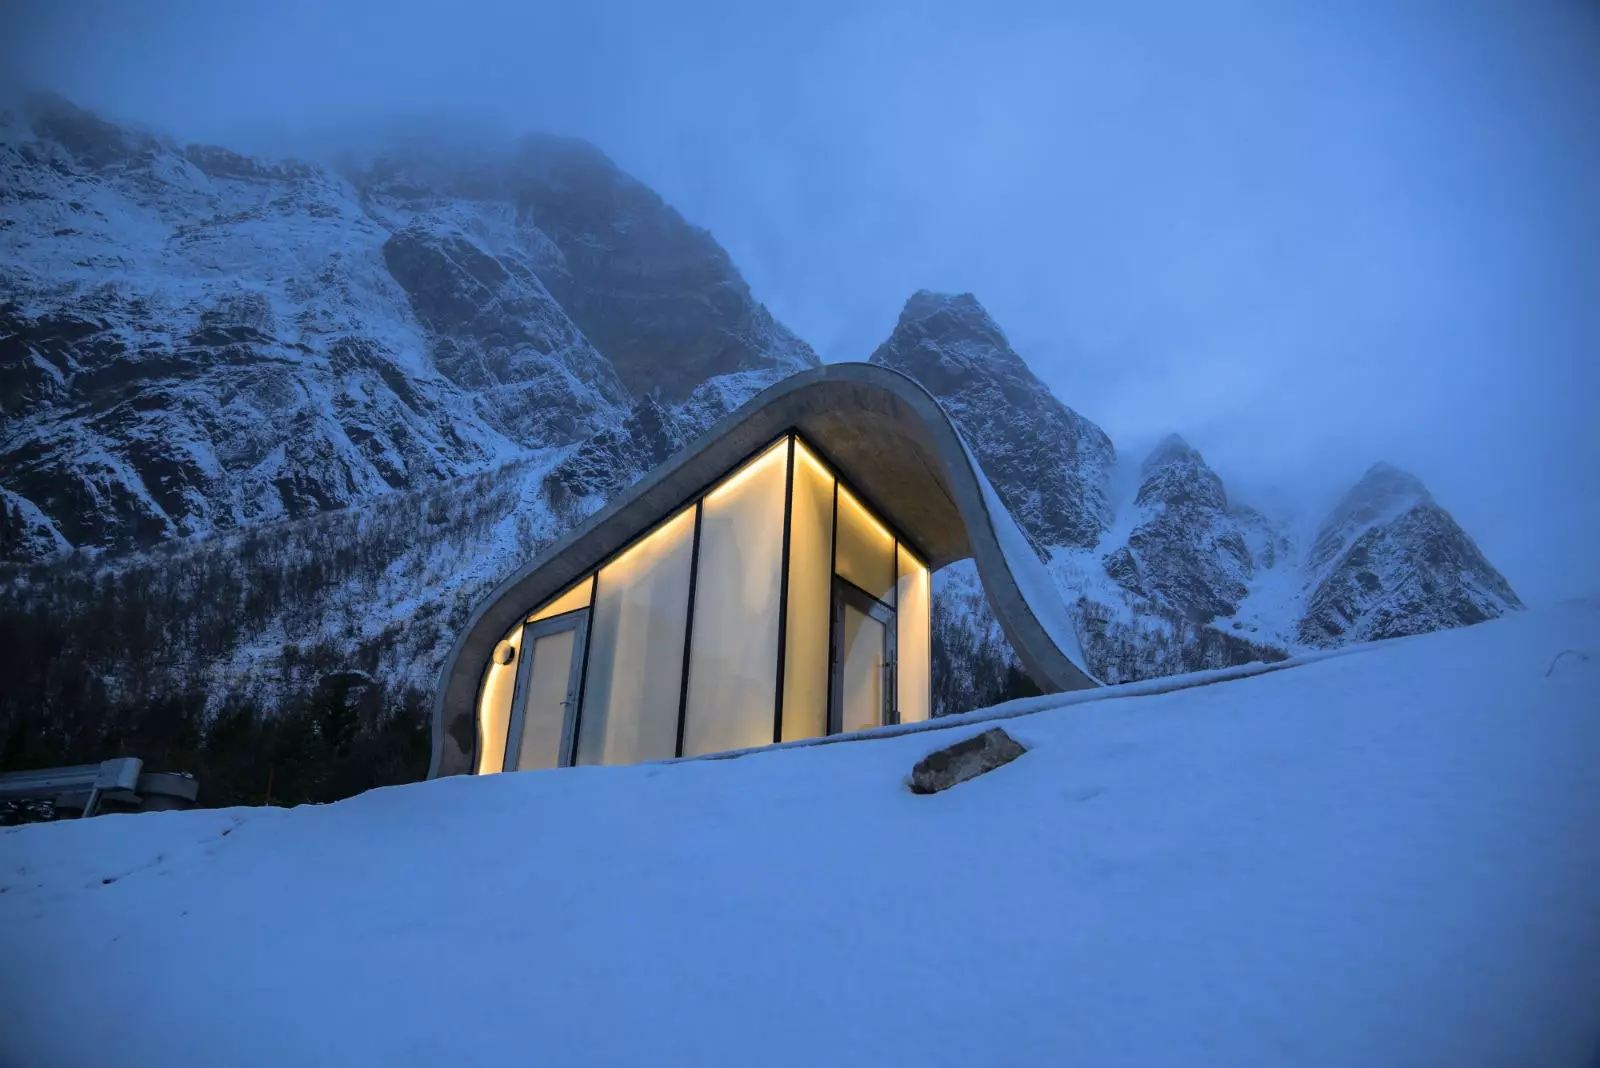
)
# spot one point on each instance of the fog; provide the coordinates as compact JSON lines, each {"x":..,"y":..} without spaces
{"x":1306,"y":237}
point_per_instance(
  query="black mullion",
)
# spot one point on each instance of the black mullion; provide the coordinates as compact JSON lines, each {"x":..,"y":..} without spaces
{"x":833,"y":597}
{"x":894,"y":661}
{"x":583,"y":672}
{"x":783,"y":596}
{"x":688,"y":626}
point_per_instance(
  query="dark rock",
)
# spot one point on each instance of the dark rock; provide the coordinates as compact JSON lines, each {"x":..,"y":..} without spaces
{"x":966,"y":759}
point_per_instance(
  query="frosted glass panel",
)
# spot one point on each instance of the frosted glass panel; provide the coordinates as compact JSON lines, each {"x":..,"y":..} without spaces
{"x":494,"y":705}
{"x":733,"y":659}
{"x":911,"y":650}
{"x":630,"y":699}
{"x":544,"y":708}
{"x":866,"y":549}
{"x":861,"y":694}
{"x":571,"y":601}
{"x":805,"y":671}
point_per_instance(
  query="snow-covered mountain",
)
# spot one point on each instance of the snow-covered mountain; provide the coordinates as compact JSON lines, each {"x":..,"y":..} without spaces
{"x":196,"y":341}
{"x":327,"y":407}
{"x":1178,"y":577}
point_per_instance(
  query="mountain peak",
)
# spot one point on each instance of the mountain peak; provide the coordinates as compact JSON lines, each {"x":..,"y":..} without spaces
{"x":1171,"y":449}
{"x":1052,"y":463}
{"x":1384,"y":491}
{"x":926,"y":302}
{"x":1385,"y":481}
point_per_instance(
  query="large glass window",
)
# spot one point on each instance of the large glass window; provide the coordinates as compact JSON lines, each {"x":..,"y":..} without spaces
{"x":733,"y":657}
{"x":805,"y":671}
{"x":865,"y":554}
{"x":633,"y":685}
{"x":912,"y":603}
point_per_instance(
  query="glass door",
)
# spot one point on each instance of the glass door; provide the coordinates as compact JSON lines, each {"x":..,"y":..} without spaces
{"x":546,"y":695}
{"x":861,"y":686}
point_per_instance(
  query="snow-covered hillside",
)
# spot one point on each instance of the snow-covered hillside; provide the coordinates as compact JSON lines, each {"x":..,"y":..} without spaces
{"x":1383,"y":857}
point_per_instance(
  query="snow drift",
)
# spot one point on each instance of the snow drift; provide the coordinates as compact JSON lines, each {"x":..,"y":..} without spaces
{"x":1387,"y":857}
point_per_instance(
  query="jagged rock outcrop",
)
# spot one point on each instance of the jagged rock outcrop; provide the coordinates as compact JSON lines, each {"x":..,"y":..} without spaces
{"x":1050,"y":465}
{"x":1187,"y":550}
{"x":1388,"y":562}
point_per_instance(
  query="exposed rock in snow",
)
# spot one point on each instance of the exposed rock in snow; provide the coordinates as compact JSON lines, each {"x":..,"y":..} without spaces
{"x":964,"y":760}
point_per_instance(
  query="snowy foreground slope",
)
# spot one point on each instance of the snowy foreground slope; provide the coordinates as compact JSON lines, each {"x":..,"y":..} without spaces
{"x":1388,"y":857}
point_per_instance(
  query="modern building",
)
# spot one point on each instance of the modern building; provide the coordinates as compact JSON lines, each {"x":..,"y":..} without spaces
{"x":769,"y":582}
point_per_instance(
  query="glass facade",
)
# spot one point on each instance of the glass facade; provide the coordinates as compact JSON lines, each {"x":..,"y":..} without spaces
{"x":805,"y":700}
{"x":776,"y":606}
{"x":640,"y":617}
{"x":733,"y":656}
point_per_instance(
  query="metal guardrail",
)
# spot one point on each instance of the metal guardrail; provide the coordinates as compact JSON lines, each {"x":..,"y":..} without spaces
{"x":121,"y":779}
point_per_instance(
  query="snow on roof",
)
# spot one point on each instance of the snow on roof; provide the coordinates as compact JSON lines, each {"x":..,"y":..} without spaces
{"x":1387,"y":857}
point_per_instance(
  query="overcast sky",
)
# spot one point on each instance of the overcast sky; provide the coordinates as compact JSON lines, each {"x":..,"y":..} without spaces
{"x":1307,"y":237}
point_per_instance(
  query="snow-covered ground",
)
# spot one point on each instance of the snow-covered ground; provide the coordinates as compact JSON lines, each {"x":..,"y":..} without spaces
{"x":1384,"y":858}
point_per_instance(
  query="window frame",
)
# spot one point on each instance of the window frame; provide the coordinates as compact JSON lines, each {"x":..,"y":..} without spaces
{"x":575,"y":620}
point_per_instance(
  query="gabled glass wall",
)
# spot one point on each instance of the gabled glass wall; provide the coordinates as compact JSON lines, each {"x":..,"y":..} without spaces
{"x":777,"y":606}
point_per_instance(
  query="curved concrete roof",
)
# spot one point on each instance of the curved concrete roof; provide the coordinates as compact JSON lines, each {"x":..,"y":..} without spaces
{"x":883,"y":433}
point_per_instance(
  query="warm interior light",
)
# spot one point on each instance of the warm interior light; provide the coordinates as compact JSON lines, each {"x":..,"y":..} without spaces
{"x":494,"y":706}
{"x":774,"y":454}
{"x":868,"y":520}
{"x":575,"y":598}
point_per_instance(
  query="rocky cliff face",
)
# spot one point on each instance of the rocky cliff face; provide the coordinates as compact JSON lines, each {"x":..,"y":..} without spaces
{"x":192,"y":340}
{"x":1187,"y":550}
